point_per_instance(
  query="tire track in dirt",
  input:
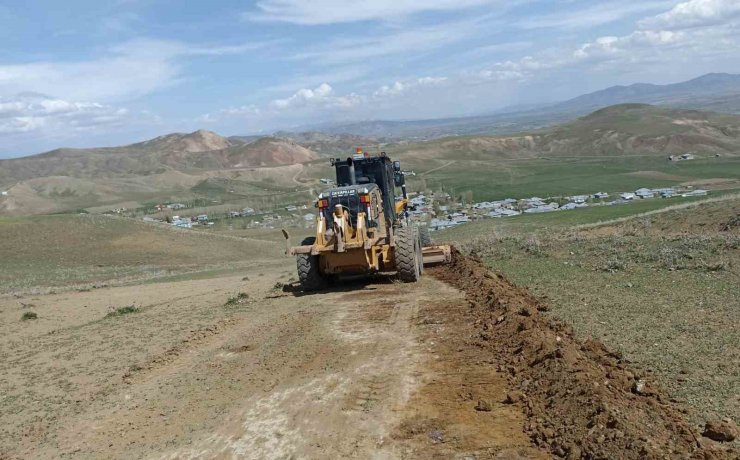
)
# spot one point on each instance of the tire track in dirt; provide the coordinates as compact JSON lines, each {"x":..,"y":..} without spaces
{"x":195,"y":339}
{"x":333,"y":405}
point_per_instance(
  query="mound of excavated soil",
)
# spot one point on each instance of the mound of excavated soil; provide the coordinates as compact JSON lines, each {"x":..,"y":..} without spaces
{"x":580,"y":399}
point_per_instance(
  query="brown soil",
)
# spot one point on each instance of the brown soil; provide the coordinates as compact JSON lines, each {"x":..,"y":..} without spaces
{"x":374,"y":370}
{"x":580,"y":399}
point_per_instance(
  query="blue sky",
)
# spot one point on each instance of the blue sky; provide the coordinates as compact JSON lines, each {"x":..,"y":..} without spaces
{"x":90,"y":73}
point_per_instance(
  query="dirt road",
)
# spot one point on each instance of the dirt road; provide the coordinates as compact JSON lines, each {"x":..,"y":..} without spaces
{"x":380,"y":370}
{"x":461,"y":365}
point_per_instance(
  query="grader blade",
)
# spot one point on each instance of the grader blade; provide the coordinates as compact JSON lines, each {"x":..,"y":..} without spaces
{"x":436,"y":255}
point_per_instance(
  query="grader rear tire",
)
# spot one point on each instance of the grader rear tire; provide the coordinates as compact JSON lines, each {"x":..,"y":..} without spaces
{"x":424,"y":236}
{"x":407,"y":255}
{"x":309,"y":274}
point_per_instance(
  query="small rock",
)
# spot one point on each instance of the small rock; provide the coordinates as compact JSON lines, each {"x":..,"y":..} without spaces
{"x":574,"y":453}
{"x":437,"y":436}
{"x":722,"y":431}
{"x":514,"y":397}
{"x":483,"y":406}
{"x":638,"y":386}
{"x":500,"y":319}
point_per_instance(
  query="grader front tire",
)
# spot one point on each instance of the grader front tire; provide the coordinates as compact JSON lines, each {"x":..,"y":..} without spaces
{"x":407,"y":255}
{"x":309,"y":274}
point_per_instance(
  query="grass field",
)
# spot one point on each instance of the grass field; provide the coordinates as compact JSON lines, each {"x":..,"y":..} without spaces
{"x":501,"y":178}
{"x":661,"y":287}
{"x":80,"y":251}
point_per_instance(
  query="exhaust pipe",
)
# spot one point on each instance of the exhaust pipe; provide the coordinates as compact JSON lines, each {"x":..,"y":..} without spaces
{"x":352,"y":178}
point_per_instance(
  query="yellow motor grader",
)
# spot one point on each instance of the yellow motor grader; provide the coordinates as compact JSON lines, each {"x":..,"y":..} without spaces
{"x":363,"y":227}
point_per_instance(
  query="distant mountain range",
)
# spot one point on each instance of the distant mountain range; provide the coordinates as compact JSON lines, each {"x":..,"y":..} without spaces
{"x":708,"y":92}
{"x":718,"y":92}
{"x":204,"y":165}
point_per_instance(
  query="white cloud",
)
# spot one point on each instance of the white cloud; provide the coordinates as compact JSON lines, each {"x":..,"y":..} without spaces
{"x":318,"y":12}
{"x":242,"y":111}
{"x":695,"y":13}
{"x":512,"y":71}
{"x":303,"y":97}
{"x":398,"y":88}
{"x":323,"y":97}
{"x":628,"y":46}
{"x":319,"y":97}
{"x":30,"y":112}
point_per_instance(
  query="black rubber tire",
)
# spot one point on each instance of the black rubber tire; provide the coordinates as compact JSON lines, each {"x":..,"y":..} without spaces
{"x":424,"y":236}
{"x":407,"y":254}
{"x":309,"y":274}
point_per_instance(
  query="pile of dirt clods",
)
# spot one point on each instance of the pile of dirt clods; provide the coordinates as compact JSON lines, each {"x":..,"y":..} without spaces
{"x":580,"y":399}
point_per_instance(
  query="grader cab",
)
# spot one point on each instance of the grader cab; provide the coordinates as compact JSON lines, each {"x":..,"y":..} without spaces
{"x":363,"y":227}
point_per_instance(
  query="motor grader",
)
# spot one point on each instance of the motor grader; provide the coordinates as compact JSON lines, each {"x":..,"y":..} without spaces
{"x":363,"y":227}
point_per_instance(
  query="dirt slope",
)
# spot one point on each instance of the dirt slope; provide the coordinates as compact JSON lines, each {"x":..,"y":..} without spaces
{"x":580,"y":399}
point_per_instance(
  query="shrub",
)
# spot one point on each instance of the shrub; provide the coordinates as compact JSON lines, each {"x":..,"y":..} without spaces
{"x":120,"y":311}
{"x":237,"y":299}
{"x":29,"y":315}
{"x":532,"y":245}
{"x":613,"y":265}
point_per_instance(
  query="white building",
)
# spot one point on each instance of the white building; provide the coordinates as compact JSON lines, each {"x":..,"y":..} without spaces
{"x":644,"y":193}
{"x":578,"y":198}
{"x":503,"y":212}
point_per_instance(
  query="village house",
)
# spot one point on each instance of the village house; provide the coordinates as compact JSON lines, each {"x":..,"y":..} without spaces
{"x":578,"y":198}
{"x":440,"y":224}
{"x":573,"y":205}
{"x":644,"y":193}
{"x":664,"y":192}
{"x":503,"y":212}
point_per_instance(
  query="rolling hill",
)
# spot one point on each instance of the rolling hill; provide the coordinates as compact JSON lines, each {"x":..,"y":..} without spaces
{"x":198,"y":151}
{"x":158,"y":169}
{"x":626,"y":129}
